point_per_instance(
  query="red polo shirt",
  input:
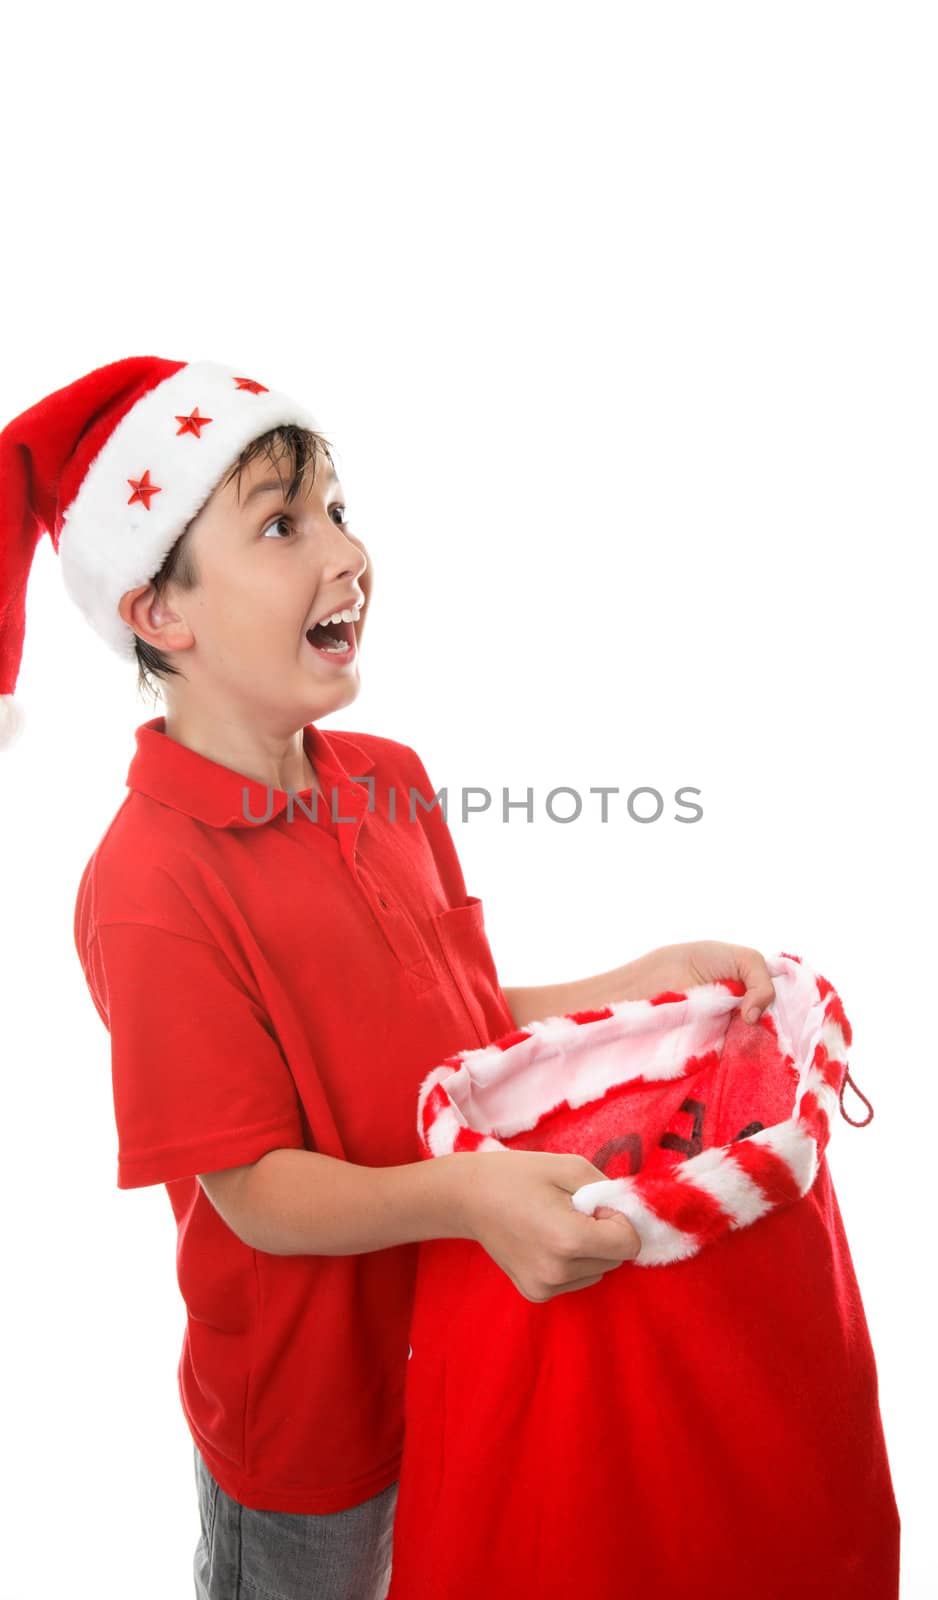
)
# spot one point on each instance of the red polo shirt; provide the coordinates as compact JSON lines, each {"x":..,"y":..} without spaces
{"x":274,"y":981}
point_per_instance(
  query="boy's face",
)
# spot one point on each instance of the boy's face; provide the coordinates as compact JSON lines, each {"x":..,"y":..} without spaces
{"x":269,"y":569}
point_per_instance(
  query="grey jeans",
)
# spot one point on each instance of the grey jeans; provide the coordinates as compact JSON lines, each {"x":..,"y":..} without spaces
{"x":286,"y":1555}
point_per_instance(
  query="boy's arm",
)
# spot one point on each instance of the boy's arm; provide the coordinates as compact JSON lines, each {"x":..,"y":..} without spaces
{"x":629,"y":982}
{"x":297,"y":1202}
{"x":674,"y":967}
{"x":669,"y":967}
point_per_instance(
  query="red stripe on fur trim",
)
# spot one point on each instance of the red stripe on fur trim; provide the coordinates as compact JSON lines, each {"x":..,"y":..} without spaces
{"x":692,"y":1210}
{"x":834,"y":1012}
{"x":766,"y":1168}
{"x":468,"y":1139}
{"x":813,"y":1117}
{"x":831,"y":1070}
{"x":666,"y":997}
{"x":589,"y":1016}
{"x":790,"y":1067}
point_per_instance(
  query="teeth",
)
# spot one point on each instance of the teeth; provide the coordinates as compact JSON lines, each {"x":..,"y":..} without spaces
{"x":336,"y":647}
{"x":342,"y":616}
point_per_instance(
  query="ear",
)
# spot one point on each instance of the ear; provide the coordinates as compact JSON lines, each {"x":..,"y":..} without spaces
{"x":153,"y":619}
{"x":130,"y":606}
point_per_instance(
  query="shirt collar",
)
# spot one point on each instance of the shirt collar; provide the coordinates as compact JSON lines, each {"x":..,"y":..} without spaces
{"x":180,"y":777}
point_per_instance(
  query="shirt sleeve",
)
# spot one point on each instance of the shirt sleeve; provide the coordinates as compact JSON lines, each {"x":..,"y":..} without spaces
{"x":198,"y":1077}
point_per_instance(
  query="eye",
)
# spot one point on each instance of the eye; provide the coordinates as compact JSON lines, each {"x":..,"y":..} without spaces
{"x":278,"y":522}
{"x":284,"y":521}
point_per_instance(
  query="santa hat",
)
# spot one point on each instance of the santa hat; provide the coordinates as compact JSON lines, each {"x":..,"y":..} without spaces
{"x":113,"y":467}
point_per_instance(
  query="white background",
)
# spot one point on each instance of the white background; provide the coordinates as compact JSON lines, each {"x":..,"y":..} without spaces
{"x":622,"y":319}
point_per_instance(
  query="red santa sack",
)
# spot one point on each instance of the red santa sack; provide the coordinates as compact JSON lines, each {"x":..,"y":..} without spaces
{"x":705,"y":1419}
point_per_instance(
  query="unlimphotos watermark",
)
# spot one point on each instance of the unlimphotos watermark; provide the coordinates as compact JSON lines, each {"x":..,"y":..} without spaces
{"x":642,"y":804}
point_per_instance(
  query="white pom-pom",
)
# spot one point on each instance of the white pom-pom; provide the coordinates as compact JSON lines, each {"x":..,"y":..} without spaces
{"x":12,"y":720}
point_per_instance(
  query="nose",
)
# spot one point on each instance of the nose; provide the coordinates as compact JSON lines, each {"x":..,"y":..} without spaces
{"x":350,"y":560}
{"x":347,"y":564}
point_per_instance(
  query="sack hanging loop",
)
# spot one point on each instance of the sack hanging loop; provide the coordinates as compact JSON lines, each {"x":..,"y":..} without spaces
{"x":867,"y":1120}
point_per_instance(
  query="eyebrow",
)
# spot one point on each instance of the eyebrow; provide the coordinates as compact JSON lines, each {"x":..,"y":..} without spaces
{"x":275,"y":486}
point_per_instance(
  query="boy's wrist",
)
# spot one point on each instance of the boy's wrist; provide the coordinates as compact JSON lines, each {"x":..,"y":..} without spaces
{"x":298,"y":1202}
{"x":438,"y":1193}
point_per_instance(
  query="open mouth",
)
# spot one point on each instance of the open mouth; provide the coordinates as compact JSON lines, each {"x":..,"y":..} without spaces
{"x":333,"y":639}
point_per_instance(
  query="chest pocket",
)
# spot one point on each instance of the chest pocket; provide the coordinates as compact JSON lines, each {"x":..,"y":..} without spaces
{"x":465,"y":947}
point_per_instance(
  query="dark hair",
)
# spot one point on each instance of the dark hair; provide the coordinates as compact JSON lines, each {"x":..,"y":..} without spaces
{"x":302,"y":447}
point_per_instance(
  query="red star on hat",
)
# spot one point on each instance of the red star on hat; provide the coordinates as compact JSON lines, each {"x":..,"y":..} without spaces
{"x":141,"y":488}
{"x":192,"y":423}
{"x":252,"y":384}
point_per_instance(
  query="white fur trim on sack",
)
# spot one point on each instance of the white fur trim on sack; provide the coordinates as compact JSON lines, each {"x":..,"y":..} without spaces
{"x":497,"y":1092}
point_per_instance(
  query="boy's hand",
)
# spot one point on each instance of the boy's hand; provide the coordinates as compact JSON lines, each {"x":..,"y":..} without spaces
{"x":516,"y":1204}
{"x":682,"y":966}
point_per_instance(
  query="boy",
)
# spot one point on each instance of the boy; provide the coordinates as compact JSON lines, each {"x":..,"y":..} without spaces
{"x":276,"y":976}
